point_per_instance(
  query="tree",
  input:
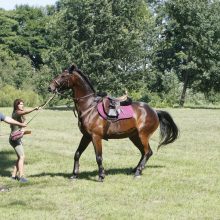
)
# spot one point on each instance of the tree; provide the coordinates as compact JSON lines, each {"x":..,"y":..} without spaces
{"x":104,"y":38}
{"x":189,"y":44}
{"x":24,"y":32}
{"x":15,"y":68}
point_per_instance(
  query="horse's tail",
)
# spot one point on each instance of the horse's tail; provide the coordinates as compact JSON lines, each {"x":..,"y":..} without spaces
{"x":168,"y":129}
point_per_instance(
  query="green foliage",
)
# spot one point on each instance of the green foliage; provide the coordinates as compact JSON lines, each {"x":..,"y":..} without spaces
{"x":213,"y":97}
{"x":15,"y":70}
{"x":148,"y":91}
{"x":42,"y":78}
{"x":157,"y":50}
{"x":104,"y":38}
{"x":24,"y":32}
{"x":190,"y":43}
{"x":200,"y":100}
{"x":8,"y":94}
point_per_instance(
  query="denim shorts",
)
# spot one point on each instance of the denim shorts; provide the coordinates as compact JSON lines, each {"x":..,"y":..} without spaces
{"x":15,"y":142}
{"x":18,"y":147}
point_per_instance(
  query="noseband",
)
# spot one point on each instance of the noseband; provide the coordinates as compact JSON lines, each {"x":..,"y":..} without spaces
{"x":56,"y":82}
{"x":59,"y":85}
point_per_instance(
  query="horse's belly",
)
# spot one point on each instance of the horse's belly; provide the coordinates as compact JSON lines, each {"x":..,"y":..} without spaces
{"x":121,"y":129}
{"x":122,"y":134}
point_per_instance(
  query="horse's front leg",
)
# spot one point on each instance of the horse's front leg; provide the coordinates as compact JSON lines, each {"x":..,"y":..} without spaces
{"x":85,"y":140}
{"x":97,"y":142}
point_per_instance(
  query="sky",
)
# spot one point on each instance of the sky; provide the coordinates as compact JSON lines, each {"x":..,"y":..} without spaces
{"x":10,"y":4}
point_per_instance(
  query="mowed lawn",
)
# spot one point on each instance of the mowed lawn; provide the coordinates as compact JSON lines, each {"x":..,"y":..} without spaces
{"x":181,"y":181}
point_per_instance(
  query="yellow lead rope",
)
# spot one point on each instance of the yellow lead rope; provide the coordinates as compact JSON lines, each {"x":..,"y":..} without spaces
{"x":42,"y":107}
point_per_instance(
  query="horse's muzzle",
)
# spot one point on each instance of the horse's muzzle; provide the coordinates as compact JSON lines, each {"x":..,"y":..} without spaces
{"x":50,"y":89}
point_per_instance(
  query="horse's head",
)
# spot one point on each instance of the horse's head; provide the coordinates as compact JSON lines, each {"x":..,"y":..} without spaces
{"x":63,"y":81}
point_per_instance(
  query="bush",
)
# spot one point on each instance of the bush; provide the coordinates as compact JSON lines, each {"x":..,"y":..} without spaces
{"x":145,"y":95}
{"x":8,"y":94}
{"x":198,"y":99}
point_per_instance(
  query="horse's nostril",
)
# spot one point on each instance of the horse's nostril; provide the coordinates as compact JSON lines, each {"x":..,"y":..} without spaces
{"x":49,"y":89}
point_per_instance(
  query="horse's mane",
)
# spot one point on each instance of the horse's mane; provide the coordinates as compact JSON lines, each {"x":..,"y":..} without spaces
{"x":75,"y":68}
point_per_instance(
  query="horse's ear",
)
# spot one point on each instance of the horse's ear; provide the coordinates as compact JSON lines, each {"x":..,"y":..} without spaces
{"x":72,"y":68}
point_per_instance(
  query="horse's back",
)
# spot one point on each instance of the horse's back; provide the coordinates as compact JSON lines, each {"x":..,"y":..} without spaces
{"x":146,"y":117}
{"x":143,"y":108}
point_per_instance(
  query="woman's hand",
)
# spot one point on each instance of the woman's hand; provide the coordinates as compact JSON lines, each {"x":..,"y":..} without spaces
{"x":23,"y":125}
{"x":38,"y":108}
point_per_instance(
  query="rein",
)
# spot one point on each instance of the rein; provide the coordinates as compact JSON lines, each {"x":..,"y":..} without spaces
{"x":77,"y":100}
{"x":87,"y":111}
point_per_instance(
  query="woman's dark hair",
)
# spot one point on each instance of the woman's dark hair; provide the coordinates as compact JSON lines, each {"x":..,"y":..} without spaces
{"x":16,"y":103}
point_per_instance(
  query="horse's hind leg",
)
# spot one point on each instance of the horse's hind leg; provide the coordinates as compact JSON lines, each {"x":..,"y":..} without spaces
{"x":142,"y":143}
{"x":85,"y":140}
{"x":97,"y":142}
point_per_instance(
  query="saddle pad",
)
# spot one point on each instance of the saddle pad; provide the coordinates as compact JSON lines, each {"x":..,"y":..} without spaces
{"x":125,"y":112}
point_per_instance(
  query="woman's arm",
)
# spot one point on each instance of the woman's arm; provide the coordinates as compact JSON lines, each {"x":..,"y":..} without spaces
{"x":10,"y":120}
{"x":24,"y":112}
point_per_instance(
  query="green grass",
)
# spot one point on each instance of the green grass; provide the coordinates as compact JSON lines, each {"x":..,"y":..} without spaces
{"x":181,"y":181}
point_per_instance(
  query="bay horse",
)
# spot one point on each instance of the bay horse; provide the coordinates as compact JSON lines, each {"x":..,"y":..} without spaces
{"x":138,"y":129}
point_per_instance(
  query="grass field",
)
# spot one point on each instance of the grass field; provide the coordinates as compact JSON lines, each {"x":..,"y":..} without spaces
{"x":182,"y":180}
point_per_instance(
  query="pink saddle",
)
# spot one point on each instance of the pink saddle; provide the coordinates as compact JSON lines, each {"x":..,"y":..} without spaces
{"x":125,"y":112}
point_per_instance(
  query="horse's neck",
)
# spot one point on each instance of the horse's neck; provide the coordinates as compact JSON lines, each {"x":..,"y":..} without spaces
{"x":82,"y":90}
{"x":84,"y":98}
{"x":83,"y":94}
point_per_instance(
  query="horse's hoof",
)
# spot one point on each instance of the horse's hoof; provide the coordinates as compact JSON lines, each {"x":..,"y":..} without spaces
{"x":101,"y":179}
{"x":137,"y":176}
{"x":74,"y":177}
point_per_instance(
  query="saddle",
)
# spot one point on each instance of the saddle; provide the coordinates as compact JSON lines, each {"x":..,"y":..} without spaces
{"x":115,"y":108}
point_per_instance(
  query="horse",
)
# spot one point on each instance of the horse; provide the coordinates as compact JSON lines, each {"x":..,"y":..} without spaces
{"x":94,"y":128}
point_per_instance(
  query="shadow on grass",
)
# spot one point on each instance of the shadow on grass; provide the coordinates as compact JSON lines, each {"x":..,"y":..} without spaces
{"x":6,"y":162}
{"x":90,"y":175}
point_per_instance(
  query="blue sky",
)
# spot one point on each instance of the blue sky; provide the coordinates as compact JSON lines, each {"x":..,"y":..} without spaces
{"x":10,"y":4}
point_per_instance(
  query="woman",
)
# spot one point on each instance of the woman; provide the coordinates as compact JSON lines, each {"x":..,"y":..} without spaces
{"x":9,"y":120}
{"x":18,"y":115}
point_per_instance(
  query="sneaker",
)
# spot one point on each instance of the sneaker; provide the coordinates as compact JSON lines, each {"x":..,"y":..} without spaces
{"x":14,"y":177}
{"x":23,"y":180}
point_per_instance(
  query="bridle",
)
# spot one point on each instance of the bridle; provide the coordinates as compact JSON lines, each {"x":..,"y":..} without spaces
{"x":76,"y":100}
{"x":56,"y":82}
{"x":60,"y":85}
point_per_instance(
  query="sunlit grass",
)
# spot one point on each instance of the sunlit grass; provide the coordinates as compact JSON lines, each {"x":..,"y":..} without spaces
{"x":181,"y":181}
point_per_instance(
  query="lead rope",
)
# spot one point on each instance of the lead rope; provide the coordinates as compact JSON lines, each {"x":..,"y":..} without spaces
{"x":42,"y":107}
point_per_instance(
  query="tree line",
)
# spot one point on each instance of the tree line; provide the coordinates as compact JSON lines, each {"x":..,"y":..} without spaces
{"x":163,"y":52}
